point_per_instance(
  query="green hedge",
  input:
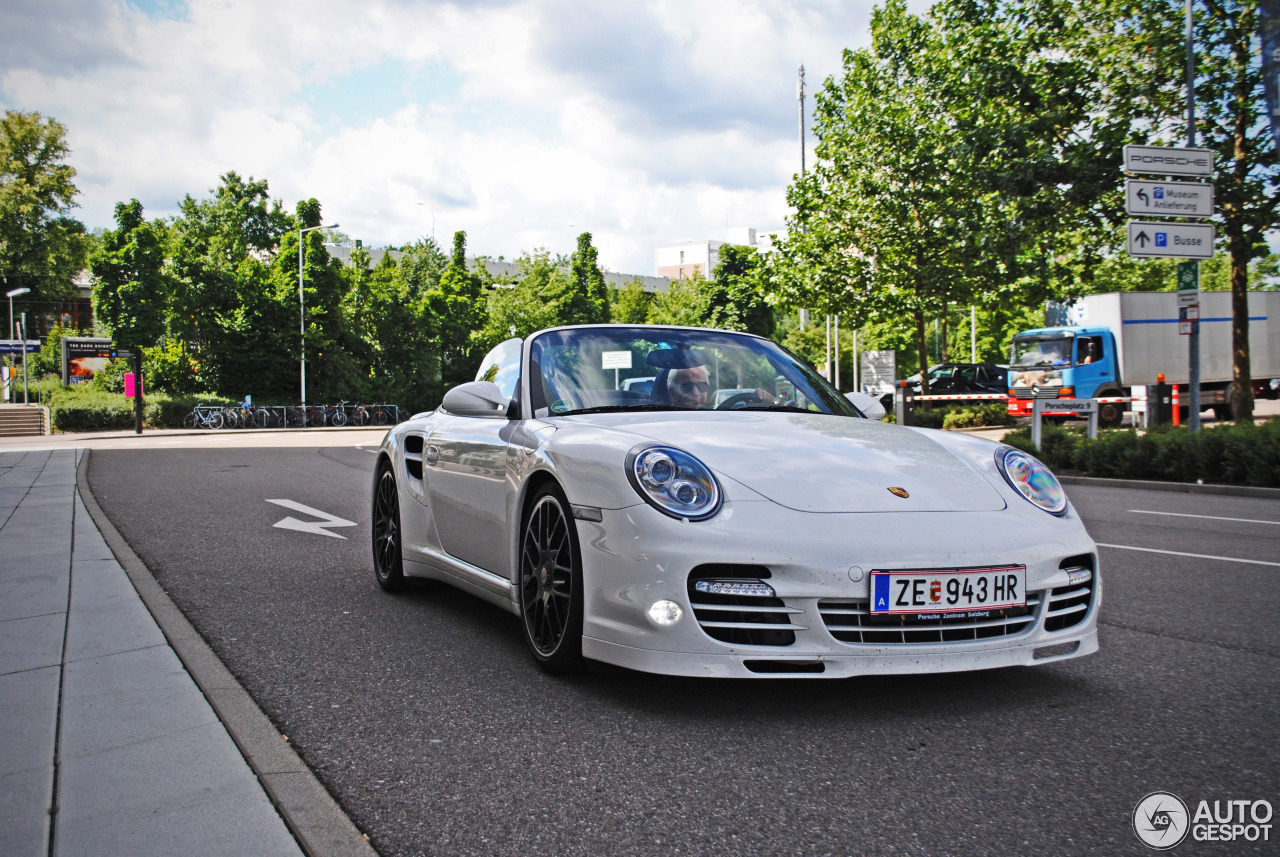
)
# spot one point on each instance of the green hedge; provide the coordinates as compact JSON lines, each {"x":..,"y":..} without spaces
{"x":80,"y":410}
{"x":1233,"y":453}
{"x":960,"y":416}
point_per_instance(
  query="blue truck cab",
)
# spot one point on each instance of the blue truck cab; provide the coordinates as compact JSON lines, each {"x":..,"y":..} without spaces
{"x":1064,"y":363}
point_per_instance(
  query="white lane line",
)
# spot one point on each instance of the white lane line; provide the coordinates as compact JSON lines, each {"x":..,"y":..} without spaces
{"x":1205,"y":517}
{"x":1193,"y":555}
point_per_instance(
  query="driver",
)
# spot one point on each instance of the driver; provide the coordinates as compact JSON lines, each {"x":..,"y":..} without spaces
{"x":688,"y":388}
{"x":687,"y":383}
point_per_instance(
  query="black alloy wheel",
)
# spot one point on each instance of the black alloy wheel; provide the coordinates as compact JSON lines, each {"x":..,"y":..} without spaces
{"x":551,"y":584}
{"x":387,"y":561}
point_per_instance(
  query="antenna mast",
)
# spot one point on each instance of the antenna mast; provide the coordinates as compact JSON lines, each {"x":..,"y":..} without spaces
{"x":800,"y":98}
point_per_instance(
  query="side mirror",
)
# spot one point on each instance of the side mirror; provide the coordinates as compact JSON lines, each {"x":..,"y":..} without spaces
{"x":476,"y":399}
{"x":869,"y":405}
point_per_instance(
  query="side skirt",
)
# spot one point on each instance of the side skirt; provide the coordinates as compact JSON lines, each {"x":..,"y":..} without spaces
{"x":433,"y":565}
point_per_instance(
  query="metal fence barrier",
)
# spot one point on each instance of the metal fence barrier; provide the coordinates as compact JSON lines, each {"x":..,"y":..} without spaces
{"x":292,"y":416}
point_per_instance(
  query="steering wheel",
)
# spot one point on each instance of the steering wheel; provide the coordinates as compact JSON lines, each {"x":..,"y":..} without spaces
{"x":737,"y":400}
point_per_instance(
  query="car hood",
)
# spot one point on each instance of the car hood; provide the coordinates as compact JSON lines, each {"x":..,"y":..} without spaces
{"x":820,"y":463}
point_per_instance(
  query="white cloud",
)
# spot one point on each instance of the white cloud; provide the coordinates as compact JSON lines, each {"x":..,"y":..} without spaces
{"x":641,"y":122}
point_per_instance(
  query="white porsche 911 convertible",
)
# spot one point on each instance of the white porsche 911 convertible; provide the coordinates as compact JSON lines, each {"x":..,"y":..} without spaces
{"x":775,"y":530}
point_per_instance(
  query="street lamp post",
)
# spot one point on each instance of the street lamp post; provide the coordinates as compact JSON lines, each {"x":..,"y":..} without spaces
{"x":302,"y":311}
{"x":11,"y":295}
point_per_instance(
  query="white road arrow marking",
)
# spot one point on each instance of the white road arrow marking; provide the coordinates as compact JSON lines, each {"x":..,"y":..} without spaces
{"x":317,"y":527}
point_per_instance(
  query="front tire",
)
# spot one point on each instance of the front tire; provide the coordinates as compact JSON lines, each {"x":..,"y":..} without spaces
{"x":1110,"y":415}
{"x":551,"y":584}
{"x":388,"y":564}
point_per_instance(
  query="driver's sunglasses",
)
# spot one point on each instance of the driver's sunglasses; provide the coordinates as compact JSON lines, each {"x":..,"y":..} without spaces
{"x":688,"y":387}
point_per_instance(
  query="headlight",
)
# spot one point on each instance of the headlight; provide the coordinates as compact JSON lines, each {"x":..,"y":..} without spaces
{"x":673,"y":482}
{"x":1031,"y":479}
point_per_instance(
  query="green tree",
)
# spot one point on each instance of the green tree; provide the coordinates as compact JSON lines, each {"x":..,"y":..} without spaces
{"x":1231,"y":121}
{"x":736,"y":301}
{"x":892,"y":209}
{"x":42,"y":247}
{"x":459,"y":309}
{"x":587,"y":301}
{"x":686,"y":301}
{"x":131,"y":289}
{"x":391,"y":335}
{"x":630,"y":304}
{"x":242,"y":328}
{"x":1137,"y":49}
{"x":535,"y":301}
{"x":332,"y":372}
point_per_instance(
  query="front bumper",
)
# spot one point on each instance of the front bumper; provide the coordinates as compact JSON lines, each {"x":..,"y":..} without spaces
{"x":636,"y":556}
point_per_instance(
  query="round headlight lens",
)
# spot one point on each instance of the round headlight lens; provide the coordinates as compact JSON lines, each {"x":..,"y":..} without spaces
{"x":1032,"y":480}
{"x":674,"y":482}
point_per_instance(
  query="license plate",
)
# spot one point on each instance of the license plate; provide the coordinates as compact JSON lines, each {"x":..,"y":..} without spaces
{"x":953,"y":594}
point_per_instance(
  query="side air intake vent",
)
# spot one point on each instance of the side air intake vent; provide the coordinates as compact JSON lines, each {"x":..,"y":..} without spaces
{"x":735,"y":604}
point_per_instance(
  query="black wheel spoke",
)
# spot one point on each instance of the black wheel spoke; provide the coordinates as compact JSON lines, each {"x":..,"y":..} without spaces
{"x":550,"y":594}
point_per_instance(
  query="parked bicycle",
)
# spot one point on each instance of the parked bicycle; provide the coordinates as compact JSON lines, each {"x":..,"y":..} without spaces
{"x":204,"y":416}
{"x":291,"y":416}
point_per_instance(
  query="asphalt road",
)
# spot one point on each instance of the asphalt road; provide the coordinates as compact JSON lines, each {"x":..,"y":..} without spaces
{"x":424,"y":715}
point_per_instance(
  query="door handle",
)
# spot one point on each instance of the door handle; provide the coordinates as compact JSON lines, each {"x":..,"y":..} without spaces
{"x":433,"y":454}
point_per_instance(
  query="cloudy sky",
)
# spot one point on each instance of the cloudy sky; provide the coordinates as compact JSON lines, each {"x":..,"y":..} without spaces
{"x":522,"y":122}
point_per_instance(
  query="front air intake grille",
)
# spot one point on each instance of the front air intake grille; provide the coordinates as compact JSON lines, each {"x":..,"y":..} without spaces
{"x":744,"y":620}
{"x":850,"y":622}
{"x":1026,"y":393}
{"x":1069,"y":605}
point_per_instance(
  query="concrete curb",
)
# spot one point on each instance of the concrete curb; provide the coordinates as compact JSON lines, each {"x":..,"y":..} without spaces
{"x":310,"y":812}
{"x":1180,"y":487}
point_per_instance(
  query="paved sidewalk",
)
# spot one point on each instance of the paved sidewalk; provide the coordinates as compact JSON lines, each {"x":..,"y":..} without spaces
{"x":107,"y":746}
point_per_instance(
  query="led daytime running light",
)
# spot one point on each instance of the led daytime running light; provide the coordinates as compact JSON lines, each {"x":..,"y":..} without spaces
{"x":1079,"y":576}
{"x":735,"y":587}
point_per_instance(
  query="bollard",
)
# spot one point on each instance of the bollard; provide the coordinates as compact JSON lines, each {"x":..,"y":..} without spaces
{"x":1036,"y":405}
{"x":1158,"y":403}
{"x":904,"y":405}
{"x":1176,"y":416}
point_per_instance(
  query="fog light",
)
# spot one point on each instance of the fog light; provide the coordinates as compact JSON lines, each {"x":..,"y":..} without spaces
{"x":665,"y":613}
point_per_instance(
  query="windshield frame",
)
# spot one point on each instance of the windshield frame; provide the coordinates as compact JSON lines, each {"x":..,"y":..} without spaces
{"x":829,"y":400}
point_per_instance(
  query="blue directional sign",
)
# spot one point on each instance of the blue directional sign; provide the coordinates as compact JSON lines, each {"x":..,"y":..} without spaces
{"x":1171,"y":240}
{"x":17,"y":346}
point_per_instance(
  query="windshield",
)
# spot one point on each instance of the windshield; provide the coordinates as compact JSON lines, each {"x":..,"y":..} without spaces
{"x":587,"y":370}
{"x":1041,"y":352}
